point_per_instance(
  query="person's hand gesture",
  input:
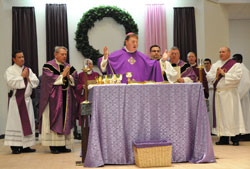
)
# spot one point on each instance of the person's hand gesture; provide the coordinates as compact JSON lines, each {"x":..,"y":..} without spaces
{"x":165,"y":56}
{"x":220,"y":72}
{"x":180,"y":80}
{"x":105,"y":52}
{"x":25,"y":73}
{"x":66,"y":71}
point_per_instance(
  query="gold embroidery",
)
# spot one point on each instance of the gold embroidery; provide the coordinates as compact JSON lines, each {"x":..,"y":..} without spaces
{"x":131,"y":60}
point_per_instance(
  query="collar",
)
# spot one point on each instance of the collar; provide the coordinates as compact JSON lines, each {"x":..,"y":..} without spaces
{"x":193,"y":65}
{"x":127,"y":50}
{"x":59,"y":63}
{"x":178,"y":62}
{"x":18,"y":66}
{"x":90,"y":72}
{"x":223,"y":62}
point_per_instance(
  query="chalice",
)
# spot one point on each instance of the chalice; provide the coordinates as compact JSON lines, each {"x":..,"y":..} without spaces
{"x":129,"y":75}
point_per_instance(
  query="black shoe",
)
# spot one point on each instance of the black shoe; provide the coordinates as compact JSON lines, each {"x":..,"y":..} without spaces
{"x":63,"y":149}
{"x":28,"y":150}
{"x":54,"y":150}
{"x":16,"y":151}
{"x":236,"y":143}
{"x":78,"y":137}
{"x":245,"y":137}
{"x":222,"y":143}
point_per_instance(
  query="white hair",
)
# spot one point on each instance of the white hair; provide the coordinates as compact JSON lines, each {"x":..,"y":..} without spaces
{"x":86,"y":61}
{"x":57,"y":48}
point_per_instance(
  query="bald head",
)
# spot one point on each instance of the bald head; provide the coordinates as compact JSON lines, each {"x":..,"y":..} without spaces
{"x":191,"y":57}
{"x":225,"y":53}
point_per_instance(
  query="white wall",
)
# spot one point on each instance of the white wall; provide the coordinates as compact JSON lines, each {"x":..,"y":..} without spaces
{"x":240,"y":39}
{"x":216,"y":29}
{"x":5,"y":60}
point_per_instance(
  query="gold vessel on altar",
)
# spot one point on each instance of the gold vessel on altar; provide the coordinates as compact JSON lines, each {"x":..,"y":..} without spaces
{"x":129,"y":75}
{"x":109,"y":79}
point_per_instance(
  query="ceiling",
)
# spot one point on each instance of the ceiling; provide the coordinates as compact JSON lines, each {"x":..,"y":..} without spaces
{"x":238,"y":11}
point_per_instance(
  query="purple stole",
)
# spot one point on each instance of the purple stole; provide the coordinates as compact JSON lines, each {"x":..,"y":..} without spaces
{"x":226,"y":67}
{"x":23,"y":111}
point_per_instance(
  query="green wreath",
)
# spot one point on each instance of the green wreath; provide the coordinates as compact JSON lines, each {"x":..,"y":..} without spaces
{"x":87,"y":22}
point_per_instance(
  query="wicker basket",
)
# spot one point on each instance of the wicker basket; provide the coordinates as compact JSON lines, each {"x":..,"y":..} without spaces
{"x":153,"y":154}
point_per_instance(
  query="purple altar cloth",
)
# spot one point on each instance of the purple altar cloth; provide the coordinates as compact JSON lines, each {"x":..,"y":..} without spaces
{"x":123,"y":114}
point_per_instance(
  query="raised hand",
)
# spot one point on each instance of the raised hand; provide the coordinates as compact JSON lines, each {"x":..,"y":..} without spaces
{"x":105,"y":52}
{"x":165,"y":56}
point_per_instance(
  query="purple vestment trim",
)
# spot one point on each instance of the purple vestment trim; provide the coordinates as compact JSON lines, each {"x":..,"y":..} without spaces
{"x":23,"y":111}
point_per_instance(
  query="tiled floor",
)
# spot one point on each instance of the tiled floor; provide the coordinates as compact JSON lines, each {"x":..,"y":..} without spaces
{"x":228,"y":157}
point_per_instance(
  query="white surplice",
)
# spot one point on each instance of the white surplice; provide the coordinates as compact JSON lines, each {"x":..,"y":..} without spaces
{"x":171,"y":73}
{"x":14,"y":132}
{"x":243,"y":89}
{"x":229,"y":116}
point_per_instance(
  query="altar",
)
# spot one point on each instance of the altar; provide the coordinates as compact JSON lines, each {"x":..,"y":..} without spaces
{"x":124,"y":113}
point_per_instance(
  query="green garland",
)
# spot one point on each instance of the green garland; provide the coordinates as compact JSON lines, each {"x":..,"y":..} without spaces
{"x":87,"y":22}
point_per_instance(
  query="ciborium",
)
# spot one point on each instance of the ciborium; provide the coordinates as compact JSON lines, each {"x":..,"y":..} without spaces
{"x":129,"y":75}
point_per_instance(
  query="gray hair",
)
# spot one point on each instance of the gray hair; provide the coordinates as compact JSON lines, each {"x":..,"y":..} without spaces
{"x":175,"y":48}
{"x":57,"y":48}
{"x":228,"y":49}
{"x":86,"y":62}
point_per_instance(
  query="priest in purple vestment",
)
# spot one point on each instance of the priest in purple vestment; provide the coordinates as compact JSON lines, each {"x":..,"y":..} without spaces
{"x":80,"y":86}
{"x":58,"y":102}
{"x":128,"y":59}
{"x":187,"y":73}
{"x":191,"y":57}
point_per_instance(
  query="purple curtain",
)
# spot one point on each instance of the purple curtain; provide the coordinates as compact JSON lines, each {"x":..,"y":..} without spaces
{"x":185,"y":31}
{"x":24,"y":35}
{"x":155,"y":27}
{"x":56,"y":28}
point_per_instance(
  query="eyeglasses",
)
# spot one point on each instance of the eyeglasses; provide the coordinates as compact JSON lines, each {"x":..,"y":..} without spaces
{"x":206,"y":63}
{"x":155,"y":51}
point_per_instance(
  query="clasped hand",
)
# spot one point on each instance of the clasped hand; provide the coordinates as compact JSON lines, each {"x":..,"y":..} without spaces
{"x":66,"y":71}
{"x":25,"y":73}
{"x":220,"y":72}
